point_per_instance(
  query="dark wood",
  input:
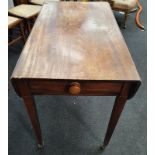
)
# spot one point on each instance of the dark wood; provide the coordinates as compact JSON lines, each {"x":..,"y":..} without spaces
{"x":21,"y":25}
{"x":31,"y":109}
{"x":18,"y":2}
{"x":32,"y":112}
{"x":73,"y":51}
{"x":9,"y":35}
{"x":62,"y":87}
{"x":116,"y":112}
{"x":28,"y":26}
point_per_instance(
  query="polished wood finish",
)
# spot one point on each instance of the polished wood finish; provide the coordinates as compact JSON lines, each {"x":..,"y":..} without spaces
{"x":32,"y":112}
{"x":89,"y":87}
{"x":77,"y":45}
{"x":76,"y":48}
{"x":31,"y":109}
{"x":74,"y":88}
{"x":116,"y":112}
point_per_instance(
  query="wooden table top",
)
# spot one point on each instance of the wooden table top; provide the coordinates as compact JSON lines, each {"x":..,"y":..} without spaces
{"x":76,"y":40}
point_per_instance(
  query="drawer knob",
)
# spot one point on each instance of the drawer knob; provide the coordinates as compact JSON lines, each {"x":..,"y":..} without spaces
{"x":74,"y":88}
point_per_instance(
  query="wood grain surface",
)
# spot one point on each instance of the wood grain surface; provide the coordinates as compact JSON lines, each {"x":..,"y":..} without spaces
{"x":76,"y":40}
{"x":75,"y":48}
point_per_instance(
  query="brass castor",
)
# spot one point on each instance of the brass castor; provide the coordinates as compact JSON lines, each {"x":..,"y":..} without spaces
{"x":40,"y":146}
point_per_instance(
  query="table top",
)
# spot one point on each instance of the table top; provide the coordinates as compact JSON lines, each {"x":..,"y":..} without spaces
{"x":76,"y":40}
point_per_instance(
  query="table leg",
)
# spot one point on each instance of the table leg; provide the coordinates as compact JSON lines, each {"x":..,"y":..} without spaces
{"x":32,"y":112}
{"x":116,"y":112}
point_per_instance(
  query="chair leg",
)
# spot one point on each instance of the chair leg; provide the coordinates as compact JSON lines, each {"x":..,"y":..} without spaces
{"x":125,"y":19}
{"x":134,"y":9}
{"x":33,"y":19}
{"x":22,"y":32}
{"x":28,"y":26}
{"x":10,"y":35}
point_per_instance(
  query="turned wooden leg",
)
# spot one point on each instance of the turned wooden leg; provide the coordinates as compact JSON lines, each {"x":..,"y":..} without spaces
{"x":116,"y":112}
{"x":125,"y":18}
{"x":32,"y":112}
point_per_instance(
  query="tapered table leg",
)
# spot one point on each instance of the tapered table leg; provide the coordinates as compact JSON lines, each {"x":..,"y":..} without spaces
{"x":32,"y":112}
{"x":116,"y":112}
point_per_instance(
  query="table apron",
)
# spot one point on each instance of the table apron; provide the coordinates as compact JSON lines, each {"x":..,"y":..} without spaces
{"x":88,"y":88}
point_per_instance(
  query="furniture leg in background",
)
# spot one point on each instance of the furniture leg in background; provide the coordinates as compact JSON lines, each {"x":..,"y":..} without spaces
{"x":12,"y":23}
{"x":26,"y":12}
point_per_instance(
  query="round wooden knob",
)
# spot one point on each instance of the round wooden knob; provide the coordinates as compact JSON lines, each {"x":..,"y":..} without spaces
{"x":74,"y":88}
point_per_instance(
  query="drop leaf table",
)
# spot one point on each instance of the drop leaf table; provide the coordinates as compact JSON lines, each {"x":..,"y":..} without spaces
{"x":76,"y":48}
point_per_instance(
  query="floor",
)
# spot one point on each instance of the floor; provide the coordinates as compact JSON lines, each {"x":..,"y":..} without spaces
{"x":78,"y":129}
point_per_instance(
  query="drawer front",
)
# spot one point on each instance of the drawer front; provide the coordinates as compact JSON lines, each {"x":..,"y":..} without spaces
{"x":62,"y":87}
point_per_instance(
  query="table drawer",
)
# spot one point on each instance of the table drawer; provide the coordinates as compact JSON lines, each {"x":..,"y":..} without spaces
{"x":62,"y":87}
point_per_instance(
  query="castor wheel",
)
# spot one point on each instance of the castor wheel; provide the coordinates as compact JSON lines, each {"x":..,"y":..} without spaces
{"x":40,"y":146}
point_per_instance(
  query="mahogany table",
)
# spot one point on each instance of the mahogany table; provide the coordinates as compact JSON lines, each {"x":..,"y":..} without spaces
{"x":76,"y":48}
